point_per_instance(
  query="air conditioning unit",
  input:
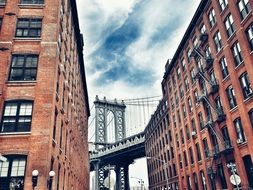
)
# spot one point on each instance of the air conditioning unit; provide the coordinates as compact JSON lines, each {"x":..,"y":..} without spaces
{"x":239,"y":141}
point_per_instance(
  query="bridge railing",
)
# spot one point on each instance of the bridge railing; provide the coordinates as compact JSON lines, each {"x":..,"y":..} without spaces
{"x":117,"y":146}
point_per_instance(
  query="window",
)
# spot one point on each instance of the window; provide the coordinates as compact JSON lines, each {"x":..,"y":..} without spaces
{"x":184,"y":111}
{"x":206,"y":148}
{"x":190,"y":104}
{"x":245,"y":85}
{"x":198,"y":152}
{"x":248,"y":165}
{"x":203,"y":180}
{"x":251,"y":117}
{"x":229,"y":24}
{"x":208,"y":52}
{"x":217,"y":41}
{"x":177,"y":141}
{"x":186,"y":84}
{"x":244,"y":8}
{"x":193,"y":79}
{"x":178,"y":73}
{"x":1,"y":20}
{"x":223,"y":4}
{"x":176,"y":98}
{"x":231,"y":97}
{"x":211,"y":178}
{"x":189,"y":55}
{"x":191,"y":155}
{"x":195,"y":178}
{"x":196,"y":96}
{"x":222,"y":177}
{"x":32,"y":2}
{"x":188,"y":135}
{"x":212,"y":18}
{"x":183,"y":64}
{"x":2,"y":2}
{"x":12,"y":172}
{"x":178,"y":116}
{"x":189,"y":183}
{"x":180,"y":161}
{"x":201,"y":121}
{"x":182,"y":136}
{"x":225,"y":134}
{"x":17,"y":116}
{"x":249,"y":33}
{"x":236,"y":51}
{"x":23,"y":68}
{"x":185,"y":159}
{"x":173,"y":80}
{"x":181,"y":91}
{"x":195,"y":42}
{"x":218,"y":105}
{"x":193,"y":125}
{"x":224,"y":67}
{"x":203,"y":29}
{"x":29,"y":28}
{"x":239,"y":130}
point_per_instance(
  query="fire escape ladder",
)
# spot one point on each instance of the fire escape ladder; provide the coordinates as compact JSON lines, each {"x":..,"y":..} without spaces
{"x":220,"y":115}
{"x":214,"y":87}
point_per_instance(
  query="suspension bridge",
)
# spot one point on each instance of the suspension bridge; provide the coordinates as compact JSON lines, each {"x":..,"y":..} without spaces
{"x":116,"y":136}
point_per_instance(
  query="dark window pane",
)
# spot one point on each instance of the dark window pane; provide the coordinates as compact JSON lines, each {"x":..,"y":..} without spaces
{"x":17,"y":116}
{"x":24,"y":67}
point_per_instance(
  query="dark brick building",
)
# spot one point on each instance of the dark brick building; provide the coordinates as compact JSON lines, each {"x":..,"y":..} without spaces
{"x":208,"y":89}
{"x":43,"y":96}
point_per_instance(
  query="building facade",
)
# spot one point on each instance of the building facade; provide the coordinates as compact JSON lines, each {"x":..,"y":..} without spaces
{"x":43,"y":96}
{"x":208,"y":89}
{"x":160,"y":150}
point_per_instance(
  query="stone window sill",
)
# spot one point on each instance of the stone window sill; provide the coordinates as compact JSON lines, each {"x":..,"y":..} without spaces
{"x":15,"y":134}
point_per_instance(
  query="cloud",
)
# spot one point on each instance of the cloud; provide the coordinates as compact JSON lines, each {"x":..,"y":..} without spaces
{"x":128,"y":42}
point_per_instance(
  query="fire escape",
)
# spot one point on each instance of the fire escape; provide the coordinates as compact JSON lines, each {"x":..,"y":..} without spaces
{"x":214,"y":112}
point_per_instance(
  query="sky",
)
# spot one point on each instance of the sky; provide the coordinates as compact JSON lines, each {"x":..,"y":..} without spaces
{"x":127,"y":44}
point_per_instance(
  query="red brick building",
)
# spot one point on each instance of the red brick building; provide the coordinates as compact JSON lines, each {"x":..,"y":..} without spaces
{"x":43,"y":96}
{"x":208,"y":89}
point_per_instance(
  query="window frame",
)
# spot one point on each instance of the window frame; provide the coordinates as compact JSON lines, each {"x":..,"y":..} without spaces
{"x":2,"y":2}
{"x":245,"y":85}
{"x":18,"y":179}
{"x":224,"y":67}
{"x":24,"y":68}
{"x":250,"y":113}
{"x":237,"y":53}
{"x":229,"y":25}
{"x":231,"y":97}
{"x":249,"y":34}
{"x":239,"y":129}
{"x":28,"y":28}
{"x":243,"y":8}
{"x":217,"y":41}
{"x":223,"y":4}
{"x":17,"y":117}
{"x":1,"y":22}
{"x":212,"y":18}
{"x":33,"y":2}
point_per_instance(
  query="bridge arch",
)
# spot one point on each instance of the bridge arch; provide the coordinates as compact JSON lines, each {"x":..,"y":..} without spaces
{"x":116,"y":112}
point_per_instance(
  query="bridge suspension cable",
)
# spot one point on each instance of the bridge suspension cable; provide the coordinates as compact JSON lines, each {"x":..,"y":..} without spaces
{"x":137,"y":115}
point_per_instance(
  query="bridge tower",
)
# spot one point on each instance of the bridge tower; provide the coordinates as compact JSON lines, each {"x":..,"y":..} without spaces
{"x":102,"y":109}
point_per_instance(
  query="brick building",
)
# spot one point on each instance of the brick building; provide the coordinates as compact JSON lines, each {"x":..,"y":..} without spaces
{"x":208,"y":89}
{"x":43,"y":96}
